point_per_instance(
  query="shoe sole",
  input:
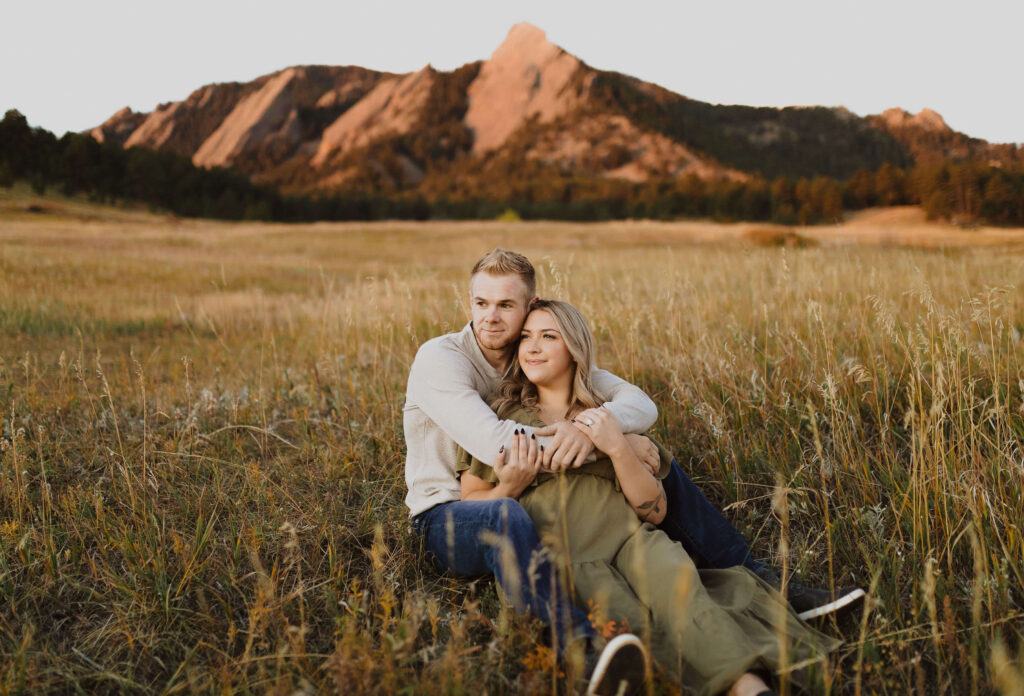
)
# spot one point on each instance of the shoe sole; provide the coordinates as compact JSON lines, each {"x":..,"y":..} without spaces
{"x":618,"y":651}
{"x":833,"y":606}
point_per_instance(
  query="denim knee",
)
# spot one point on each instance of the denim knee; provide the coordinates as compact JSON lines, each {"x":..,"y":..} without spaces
{"x":508,"y":517}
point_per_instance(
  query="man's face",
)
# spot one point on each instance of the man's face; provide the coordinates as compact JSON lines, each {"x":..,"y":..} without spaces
{"x":499,"y":307}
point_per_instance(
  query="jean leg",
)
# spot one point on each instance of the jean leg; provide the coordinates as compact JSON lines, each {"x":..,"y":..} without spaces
{"x":484,"y":537}
{"x":702,"y":529}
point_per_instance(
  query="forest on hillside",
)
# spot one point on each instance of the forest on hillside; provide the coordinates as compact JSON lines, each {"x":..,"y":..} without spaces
{"x":792,"y":142}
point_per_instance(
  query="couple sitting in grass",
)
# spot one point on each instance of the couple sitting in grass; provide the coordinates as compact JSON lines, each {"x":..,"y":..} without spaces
{"x":553,"y":489}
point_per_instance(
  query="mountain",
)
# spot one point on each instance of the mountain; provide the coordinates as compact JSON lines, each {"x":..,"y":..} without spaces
{"x":532,"y":121}
{"x":267,"y":119}
{"x":930,"y":141}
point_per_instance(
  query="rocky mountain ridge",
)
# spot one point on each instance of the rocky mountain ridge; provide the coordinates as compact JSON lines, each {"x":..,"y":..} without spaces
{"x":930,"y":140}
{"x":531,"y":110}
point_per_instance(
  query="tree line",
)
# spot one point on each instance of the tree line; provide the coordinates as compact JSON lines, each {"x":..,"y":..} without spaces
{"x":77,"y":164}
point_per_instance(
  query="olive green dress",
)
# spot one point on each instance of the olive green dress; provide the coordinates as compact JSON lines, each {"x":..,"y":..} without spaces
{"x":706,"y":628}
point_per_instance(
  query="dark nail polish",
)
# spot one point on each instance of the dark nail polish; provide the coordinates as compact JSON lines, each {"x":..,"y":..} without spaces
{"x":501,"y":449}
{"x":572,"y":420}
{"x":516,"y":432}
{"x":542,"y":448}
{"x":533,"y":436}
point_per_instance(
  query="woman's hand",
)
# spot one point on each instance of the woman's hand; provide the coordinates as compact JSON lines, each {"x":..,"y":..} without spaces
{"x":603,"y":429}
{"x":643,"y":491}
{"x":517,"y":466}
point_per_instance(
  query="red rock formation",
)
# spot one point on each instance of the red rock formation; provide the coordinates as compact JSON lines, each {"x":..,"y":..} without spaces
{"x":926,"y":119}
{"x":526,"y":77}
{"x":931,"y":141}
{"x":394,"y":106}
{"x":183,"y":126}
{"x":252,"y":120}
{"x":157,"y":129}
{"x":118,"y":127}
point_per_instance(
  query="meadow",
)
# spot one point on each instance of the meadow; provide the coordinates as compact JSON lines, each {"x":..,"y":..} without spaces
{"x":201,"y":475}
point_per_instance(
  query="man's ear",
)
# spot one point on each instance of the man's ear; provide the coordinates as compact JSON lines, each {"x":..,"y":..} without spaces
{"x":532,"y":302}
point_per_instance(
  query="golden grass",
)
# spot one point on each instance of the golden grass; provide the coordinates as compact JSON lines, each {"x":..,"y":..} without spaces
{"x":201,"y":478}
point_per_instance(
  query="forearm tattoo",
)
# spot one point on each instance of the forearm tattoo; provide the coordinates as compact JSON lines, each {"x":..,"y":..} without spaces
{"x":652,"y":506}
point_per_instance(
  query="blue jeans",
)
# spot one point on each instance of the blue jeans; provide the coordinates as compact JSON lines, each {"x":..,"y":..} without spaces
{"x":497,"y":537}
{"x":691,"y":519}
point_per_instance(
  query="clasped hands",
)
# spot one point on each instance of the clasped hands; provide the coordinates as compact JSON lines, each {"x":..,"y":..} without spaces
{"x":572,"y":442}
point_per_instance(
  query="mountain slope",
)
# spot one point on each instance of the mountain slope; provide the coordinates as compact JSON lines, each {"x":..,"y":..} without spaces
{"x":930,"y":141}
{"x":527,"y":77}
{"x":530,"y":112}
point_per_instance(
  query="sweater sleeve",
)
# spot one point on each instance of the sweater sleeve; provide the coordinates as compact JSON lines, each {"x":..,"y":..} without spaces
{"x":634,"y":409}
{"x":441,"y":385}
{"x":467,"y":464}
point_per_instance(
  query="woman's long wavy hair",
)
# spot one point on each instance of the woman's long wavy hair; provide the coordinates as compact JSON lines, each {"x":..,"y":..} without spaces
{"x":516,"y":391}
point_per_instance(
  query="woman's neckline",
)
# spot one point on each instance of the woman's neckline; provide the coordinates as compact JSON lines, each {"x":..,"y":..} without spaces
{"x":563,"y":417}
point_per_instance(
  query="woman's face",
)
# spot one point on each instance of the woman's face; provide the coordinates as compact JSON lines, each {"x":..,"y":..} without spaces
{"x":543,"y":355}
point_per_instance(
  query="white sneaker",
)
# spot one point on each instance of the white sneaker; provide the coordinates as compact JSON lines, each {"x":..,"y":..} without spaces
{"x":842,"y":600}
{"x":621,"y":668}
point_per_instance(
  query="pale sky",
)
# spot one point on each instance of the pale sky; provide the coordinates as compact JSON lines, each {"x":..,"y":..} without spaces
{"x":68,"y":64}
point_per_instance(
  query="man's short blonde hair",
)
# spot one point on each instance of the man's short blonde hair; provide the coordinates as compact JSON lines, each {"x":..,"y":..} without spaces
{"x":501,"y":262}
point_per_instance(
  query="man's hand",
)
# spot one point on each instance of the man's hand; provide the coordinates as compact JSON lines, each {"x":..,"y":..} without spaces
{"x":646,"y":451}
{"x":517,"y":465}
{"x":569,"y":446}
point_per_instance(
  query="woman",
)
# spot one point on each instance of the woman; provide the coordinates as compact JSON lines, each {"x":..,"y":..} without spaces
{"x":711,"y":630}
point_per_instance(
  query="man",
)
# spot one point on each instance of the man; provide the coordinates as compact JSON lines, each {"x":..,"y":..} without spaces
{"x":445,"y":407}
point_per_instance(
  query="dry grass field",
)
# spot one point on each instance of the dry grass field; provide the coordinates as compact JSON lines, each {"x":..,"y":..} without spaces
{"x":201,"y":476}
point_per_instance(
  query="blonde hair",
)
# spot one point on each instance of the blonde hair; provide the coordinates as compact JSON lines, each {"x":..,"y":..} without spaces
{"x":501,"y":262}
{"x":516,"y":391}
